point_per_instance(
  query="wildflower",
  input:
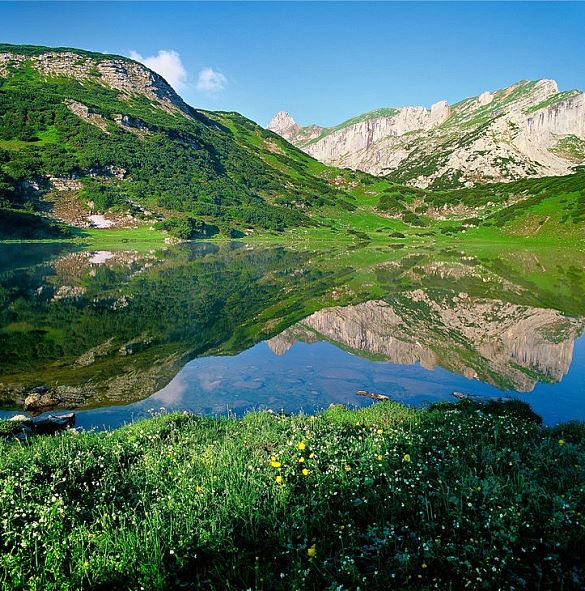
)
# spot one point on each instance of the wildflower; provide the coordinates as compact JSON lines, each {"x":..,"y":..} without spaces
{"x":424,"y":565}
{"x":301,"y":445}
{"x":380,"y":431}
{"x":301,"y":460}
{"x":86,"y":564}
{"x":305,"y":472}
{"x":348,"y":468}
{"x":198,"y":489}
{"x":278,"y":479}
{"x":406,"y":458}
{"x":379,"y":457}
{"x":311,"y":455}
{"x":561,"y":442}
{"x":275,"y":464}
{"x":311,"y":551}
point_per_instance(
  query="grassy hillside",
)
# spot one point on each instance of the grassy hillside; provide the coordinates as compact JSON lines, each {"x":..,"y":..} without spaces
{"x":457,"y":496}
{"x":220,"y":166}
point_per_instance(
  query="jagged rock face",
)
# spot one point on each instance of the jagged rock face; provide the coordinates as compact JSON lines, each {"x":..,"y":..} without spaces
{"x":503,"y":344}
{"x":121,"y":74}
{"x":284,"y":125}
{"x":529,"y":129}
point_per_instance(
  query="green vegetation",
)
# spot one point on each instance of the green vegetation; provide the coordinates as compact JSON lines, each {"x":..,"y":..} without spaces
{"x":186,"y":228}
{"x":216,"y":165}
{"x":450,"y":497}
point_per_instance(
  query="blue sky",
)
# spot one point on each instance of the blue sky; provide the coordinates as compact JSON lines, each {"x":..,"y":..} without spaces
{"x":322,"y":62}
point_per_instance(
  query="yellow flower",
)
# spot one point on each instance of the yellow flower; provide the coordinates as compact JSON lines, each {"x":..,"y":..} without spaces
{"x":380,"y":431}
{"x":275,"y":464}
{"x":273,"y":458}
{"x":301,"y":445}
{"x":311,"y":455}
{"x":406,"y":458}
{"x":561,"y":442}
{"x":198,"y":489}
{"x":305,"y":472}
{"x":424,"y":565}
{"x":379,"y":458}
{"x":348,"y":468}
{"x":278,"y":479}
{"x":302,"y":460}
{"x":86,"y":564}
{"x":311,"y":551}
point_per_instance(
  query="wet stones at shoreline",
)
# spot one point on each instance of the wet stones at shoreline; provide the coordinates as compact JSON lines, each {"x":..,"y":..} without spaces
{"x":43,"y":398}
{"x":372,"y":395}
{"x":47,"y":425}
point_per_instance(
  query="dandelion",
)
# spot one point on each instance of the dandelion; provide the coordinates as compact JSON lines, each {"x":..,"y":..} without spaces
{"x":312,"y":551}
{"x":305,"y":472}
{"x":561,"y":442}
{"x":379,"y":457}
{"x":406,"y":458}
{"x":380,"y":431}
{"x":86,"y":564}
{"x":301,"y":445}
{"x":301,"y":460}
{"x":311,"y":455}
{"x":198,"y":489}
{"x":275,"y":464}
{"x":278,"y":479}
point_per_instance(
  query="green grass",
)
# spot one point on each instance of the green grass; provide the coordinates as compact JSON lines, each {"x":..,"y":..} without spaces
{"x":451,"y":497}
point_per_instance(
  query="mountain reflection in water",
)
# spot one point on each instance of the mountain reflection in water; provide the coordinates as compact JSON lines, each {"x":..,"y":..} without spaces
{"x":210,"y":328}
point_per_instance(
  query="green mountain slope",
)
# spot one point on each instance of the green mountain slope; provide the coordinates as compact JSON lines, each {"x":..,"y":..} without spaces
{"x":111,"y":135}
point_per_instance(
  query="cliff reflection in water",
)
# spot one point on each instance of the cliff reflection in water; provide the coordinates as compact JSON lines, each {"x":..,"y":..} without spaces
{"x":506,"y":345}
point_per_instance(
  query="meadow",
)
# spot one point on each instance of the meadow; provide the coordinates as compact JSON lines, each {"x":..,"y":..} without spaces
{"x":448,"y":497}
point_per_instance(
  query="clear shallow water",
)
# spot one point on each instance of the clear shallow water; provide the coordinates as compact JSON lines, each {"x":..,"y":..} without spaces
{"x":310,"y":377}
{"x":212,"y":330}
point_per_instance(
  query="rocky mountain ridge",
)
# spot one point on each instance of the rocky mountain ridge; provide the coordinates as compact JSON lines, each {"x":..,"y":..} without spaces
{"x":127,"y":76}
{"x":529,"y":129}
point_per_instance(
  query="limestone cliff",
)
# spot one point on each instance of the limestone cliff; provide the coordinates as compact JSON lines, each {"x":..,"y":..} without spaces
{"x":529,"y":129}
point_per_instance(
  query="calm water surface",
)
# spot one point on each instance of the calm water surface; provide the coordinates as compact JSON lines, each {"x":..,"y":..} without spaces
{"x":116,"y":335}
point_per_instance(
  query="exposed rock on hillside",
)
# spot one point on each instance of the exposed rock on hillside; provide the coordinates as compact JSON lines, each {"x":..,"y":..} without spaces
{"x":529,"y":129}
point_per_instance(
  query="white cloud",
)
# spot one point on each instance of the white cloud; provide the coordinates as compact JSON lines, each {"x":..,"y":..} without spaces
{"x":166,"y":63}
{"x":211,"y":81}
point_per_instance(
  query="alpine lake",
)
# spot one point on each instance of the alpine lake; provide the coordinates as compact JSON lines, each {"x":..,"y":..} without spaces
{"x":214,"y":328}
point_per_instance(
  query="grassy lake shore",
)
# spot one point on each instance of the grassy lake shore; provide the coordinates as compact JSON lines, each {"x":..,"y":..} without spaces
{"x":453,"y":496}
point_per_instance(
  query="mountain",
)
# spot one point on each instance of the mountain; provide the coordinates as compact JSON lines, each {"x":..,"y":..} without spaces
{"x":85,"y":134}
{"x":529,"y":129}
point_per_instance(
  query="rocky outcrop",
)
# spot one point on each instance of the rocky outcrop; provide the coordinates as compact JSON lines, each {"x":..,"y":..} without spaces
{"x":506,"y":345}
{"x":517,"y":132}
{"x":283,"y":124}
{"x":85,"y":113}
{"x":122,"y":74}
